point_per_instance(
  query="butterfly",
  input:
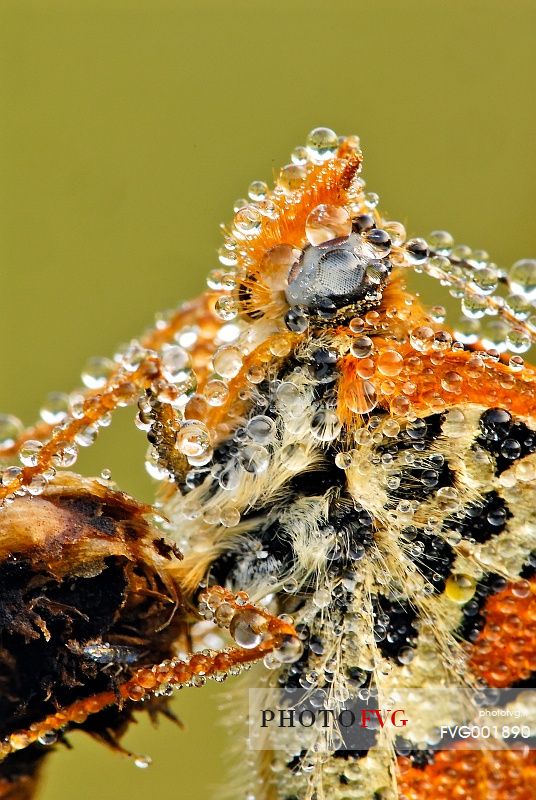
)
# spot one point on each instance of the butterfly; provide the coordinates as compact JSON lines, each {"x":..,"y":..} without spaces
{"x":345,"y":496}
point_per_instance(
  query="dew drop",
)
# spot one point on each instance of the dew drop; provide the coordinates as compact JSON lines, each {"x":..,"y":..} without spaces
{"x":277,"y":263}
{"x":452,"y":382}
{"x":344,"y":460}
{"x":321,"y":598}
{"x":391,"y":427}
{"x":438,"y":313}
{"x":460,"y":588}
{"x":473,"y":306}
{"x":227,"y":361}
{"x":37,"y":485}
{"x":322,"y":144}
{"x":362,"y":347}
{"x":66,"y":455}
{"x":356,"y":324}
{"x":96,"y":372}
{"x":229,"y":478}
{"x":176,"y":364}
{"x":193,"y":438}
{"x":216,"y":392}
{"x":390,"y":363}
{"x":441,"y":241}
{"x":29,"y":452}
{"x":215,"y":279}
{"x":226,"y":308}
{"x":325,"y":425}
{"x":255,"y":374}
{"x":522,"y":278}
{"x":396,"y":231}
{"x":48,"y":738}
{"x":247,"y":628}
{"x":327,"y":222}
{"x":291,"y":178}
{"x":518,"y":341}
{"x":142,"y":762}
{"x":254,"y":458}
{"x":261,"y":429}
{"x":227,"y":257}
{"x":516,"y":363}
{"x":289,"y":650}
{"x":230,"y":517}
{"x":485,"y":279}
{"x":258,"y":190}
{"x":519,"y":305}
{"x":510,"y":449}
{"x":417,"y":251}
{"x":55,"y":408}
{"x":296,"y":320}
{"x":10,"y":474}
{"x":422,"y":338}
{"x":299,"y":155}
{"x":454,"y":424}
{"x":248,"y":220}
{"x":10,"y":429}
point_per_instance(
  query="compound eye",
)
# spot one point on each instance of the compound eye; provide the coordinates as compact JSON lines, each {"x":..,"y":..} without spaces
{"x":334,"y":271}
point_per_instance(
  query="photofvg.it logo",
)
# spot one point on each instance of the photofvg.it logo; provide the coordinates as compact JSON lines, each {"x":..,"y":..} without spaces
{"x":297,"y":719}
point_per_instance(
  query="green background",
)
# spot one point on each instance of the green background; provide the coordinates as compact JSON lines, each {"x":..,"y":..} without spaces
{"x":128,"y":129}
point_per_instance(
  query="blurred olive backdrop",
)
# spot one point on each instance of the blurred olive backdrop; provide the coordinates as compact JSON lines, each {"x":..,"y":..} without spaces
{"x":129,"y":127}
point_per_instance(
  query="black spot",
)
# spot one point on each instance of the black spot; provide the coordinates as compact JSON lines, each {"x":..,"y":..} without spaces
{"x":435,"y":558}
{"x":495,"y":424}
{"x":342,"y":598}
{"x":506,"y":439}
{"x":527,"y":683}
{"x":427,"y":429}
{"x":396,"y":619}
{"x":420,"y":759}
{"x":369,"y":736}
{"x":354,"y":526}
{"x":323,"y":364}
{"x":295,"y":763}
{"x":473,"y":619}
{"x":419,"y":481}
{"x":266,"y":550}
{"x":482,"y":520}
{"x":529,"y":567}
{"x":319,"y":480}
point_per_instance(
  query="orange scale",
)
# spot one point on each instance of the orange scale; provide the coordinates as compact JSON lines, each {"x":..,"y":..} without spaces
{"x":512,"y":625}
{"x":515,"y":652}
{"x":505,"y":775}
{"x":507,"y":605}
{"x":494,"y":636}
